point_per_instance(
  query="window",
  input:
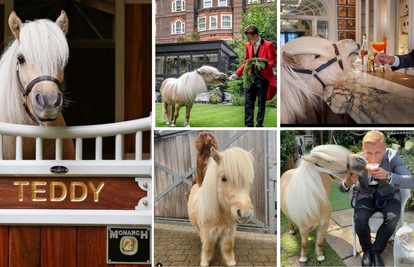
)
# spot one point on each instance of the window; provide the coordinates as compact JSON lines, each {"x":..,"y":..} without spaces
{"x":208,"y":3}
{"x":202,"y":24}
{"x":178,"y":6}
{"x":178,"y":27}
{"x":253,"y":1}
{"x":213,"y":22}
{"x":222,"y":3}
{"x":226,"y":21}
{"x":270,"y":0}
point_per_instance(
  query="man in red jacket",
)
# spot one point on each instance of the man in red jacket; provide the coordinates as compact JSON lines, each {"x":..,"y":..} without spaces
{"x":264,"y":82}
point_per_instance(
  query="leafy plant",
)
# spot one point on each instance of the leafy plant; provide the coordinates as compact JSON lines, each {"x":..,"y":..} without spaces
{"x":247,"y":79}
{"x":194,"y":37}
{"x":287,"y":147}
{"x":272,"y":103}
{"x":215,"y":95}
{"x":237,"y":100}
{"x":235,"y":87}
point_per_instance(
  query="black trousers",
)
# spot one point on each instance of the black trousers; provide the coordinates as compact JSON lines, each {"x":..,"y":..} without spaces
{"x":259,"y":86}
{"x":391,"y":213}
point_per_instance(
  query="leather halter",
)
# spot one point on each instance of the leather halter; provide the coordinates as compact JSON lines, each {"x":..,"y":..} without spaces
{"x":26,"y":91}
{"x":322,"y":169}
{"x":315,"y":72}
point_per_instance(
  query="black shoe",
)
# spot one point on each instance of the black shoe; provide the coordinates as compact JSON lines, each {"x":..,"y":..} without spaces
{"x":377,"y":260}
{"x":367,"y":259}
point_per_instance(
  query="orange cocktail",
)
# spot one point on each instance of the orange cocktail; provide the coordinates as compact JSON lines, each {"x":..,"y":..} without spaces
{"x":372,"y":166}
{"x":379,"y":46}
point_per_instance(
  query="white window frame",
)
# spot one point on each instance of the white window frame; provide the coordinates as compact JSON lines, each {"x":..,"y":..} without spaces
{"x":254,"y":1}
{"x":174,"y":27}
{"x":204,"y":3}
{"x":211,"y":28}
{"x":269,"y":1}
{"x":219,"y":2}
{"x":205,"y":23}
{"x":221,"y":24}
{"x":174,"y":6}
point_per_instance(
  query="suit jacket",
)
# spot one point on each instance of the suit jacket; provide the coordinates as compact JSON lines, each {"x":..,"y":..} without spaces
{"x":267,"y":51}
{"x":406,"y":61}
{"x":401,"y":178}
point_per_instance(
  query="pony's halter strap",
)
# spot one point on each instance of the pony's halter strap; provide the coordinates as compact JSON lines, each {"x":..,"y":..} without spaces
{"x":26,"y":91}
{"x":330,"y":172}
{"x":315,"y":72}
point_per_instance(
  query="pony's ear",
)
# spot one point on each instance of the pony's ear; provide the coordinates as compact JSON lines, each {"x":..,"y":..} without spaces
{"x":63,"y":22}
{"x":216,"y":155}
{"x":251,"y":152}
{"x":290,"y":60}
{"x":15,"y":25}
{"x":311,"y":159}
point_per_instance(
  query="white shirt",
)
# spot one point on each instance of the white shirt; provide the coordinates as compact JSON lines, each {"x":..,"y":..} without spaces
{"x":396,"y":62}
{"x":258,"y":44}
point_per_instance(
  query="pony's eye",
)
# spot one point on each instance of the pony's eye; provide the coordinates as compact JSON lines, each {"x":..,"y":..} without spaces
{"x":20,"y":59}
{"x":224,"y":179}
{"x":317,"y":56}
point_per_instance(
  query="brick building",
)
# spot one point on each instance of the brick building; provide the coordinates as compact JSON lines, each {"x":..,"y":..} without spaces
{"x":217,"y":19}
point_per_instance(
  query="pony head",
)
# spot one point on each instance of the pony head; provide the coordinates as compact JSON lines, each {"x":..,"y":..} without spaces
{"x":212,"y":76}
{"x":303,"y":91}
{"x":40,"y":54}
{"x":227,"y":183}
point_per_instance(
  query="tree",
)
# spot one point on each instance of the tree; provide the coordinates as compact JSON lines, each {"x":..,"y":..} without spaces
{"x":194,"y":37}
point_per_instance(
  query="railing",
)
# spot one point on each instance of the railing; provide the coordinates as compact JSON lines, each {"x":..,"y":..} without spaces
{"x":79,"y":167}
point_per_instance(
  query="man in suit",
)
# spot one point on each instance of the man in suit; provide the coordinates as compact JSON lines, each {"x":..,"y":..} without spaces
{"x":264,"y":82}
{"x":386,"y":180}
{"x":396,"y":62}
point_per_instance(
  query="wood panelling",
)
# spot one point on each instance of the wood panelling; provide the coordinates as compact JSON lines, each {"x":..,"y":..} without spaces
{"x":138,"y":67}
{"x":4,"y":248}
{"x":58,"y":246}
{"x":116,"y":193}
{"x":24,"y":246}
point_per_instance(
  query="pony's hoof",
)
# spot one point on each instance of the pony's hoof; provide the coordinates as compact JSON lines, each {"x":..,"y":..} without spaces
{"x":172,"y":125}
{"x":231,"y":263}
{"x":292,"y":234}
{"x":188,"y":125}
{"x":167,"y":123}
{"x":320,"y":262}
{"x":204,"y":264}
{"x":303,"y":263}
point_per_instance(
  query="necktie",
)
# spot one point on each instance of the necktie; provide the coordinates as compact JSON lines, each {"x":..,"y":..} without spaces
{"x":255,"y":49}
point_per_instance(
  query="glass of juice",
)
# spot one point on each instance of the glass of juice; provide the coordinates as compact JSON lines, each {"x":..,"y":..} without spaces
{"x":371,"y":168}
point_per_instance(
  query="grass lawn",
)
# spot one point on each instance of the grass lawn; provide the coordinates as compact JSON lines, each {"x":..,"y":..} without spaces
{"x":291,"y":245}
{"x":216,"y":116}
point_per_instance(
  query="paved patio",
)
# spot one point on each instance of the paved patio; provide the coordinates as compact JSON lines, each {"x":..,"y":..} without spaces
{"x":339,"y":237}
{"x":176,"y":245}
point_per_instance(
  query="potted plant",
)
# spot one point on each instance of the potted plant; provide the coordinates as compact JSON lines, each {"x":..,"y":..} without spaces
{"x":215,"y":95}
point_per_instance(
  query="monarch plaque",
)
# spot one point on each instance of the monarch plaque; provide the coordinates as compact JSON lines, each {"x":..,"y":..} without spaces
{"x":131,"y":245}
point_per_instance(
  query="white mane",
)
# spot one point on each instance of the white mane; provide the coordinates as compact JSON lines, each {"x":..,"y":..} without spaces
{"x":44,"y":46}
{"x":239,"y":170}
{"x":306,"y":193}
{"x":303,"y":92}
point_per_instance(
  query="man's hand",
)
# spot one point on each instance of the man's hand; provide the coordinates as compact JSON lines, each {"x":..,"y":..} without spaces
{"x":233,"y":77}
{"x":351,"y":180}
{"x":379,"y":173}
{"x":382,"y":59}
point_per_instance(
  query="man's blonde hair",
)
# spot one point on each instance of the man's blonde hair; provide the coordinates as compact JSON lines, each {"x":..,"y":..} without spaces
{"x":374,"y":137}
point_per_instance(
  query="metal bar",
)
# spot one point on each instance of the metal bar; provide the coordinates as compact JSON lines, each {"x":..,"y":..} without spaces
{"x":231,"y":140}
{"x":156,"y":164}
{"x":19,"y":148}
{"x":257,"y":222}
{"x":266,"y":175}
{"x":98,"y":148}
{"x":39,"y":148}
{"x":138,"y":145}
{"x":58,"y":145}
{"x":79,"y":148}
{"x":72,"y":132}
{"x":88,"y":21}
{"x":163,"y":193}
{"x":119,"y":147}
{"x":1,"y":147}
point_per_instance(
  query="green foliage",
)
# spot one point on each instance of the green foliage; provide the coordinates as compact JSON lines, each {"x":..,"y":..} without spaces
{"x":194,"y":37}
{"x":236,"y":87}
{"x":247,"y":79}
{"x":272,"y":103}
{"x":237,"y":100}
{"x":215,"y":95}
{"x":287,"y":147}
{"x":407,"y":155}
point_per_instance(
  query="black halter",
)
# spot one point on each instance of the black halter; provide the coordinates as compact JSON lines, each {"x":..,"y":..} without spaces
{"x":26,"y":91}
{"x":315,"y":72}
{"x":322,"y":169}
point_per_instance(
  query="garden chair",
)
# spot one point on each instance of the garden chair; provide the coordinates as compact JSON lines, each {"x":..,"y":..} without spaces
{"x":376,"y":219}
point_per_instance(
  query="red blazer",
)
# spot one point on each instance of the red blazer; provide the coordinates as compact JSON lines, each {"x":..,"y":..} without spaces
{"x":267,"y":51}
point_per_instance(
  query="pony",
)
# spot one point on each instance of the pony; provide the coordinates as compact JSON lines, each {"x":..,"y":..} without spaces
{"x":32,"y":80}
{"x":305,"y":191}
{"x":222,"y":202}
{"x":204,"y":142}
{"x":181,"y":92}
{"x":305,"y":74}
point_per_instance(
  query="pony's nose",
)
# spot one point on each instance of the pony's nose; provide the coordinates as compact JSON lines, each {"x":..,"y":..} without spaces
{"x":244,"y":215}
{"x":39,"y":101}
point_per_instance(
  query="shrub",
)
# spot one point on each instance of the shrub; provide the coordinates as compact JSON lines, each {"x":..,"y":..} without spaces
{"x":215,"y":95}
{"x":237,"y":100}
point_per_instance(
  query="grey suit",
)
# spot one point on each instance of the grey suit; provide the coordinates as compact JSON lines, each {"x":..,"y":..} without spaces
{"x":401,"y":178}
{"x":367,"y":196}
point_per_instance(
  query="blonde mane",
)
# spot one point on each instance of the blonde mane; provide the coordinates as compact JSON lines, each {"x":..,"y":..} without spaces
{"x":303,"y":92}
{"x":306,"y":193}
{"x":239,"y":170}
{"x":44,"y":46}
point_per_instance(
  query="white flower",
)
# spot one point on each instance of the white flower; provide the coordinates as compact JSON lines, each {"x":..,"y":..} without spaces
{"x":395,"y":146}
{"x":408,"y":145}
